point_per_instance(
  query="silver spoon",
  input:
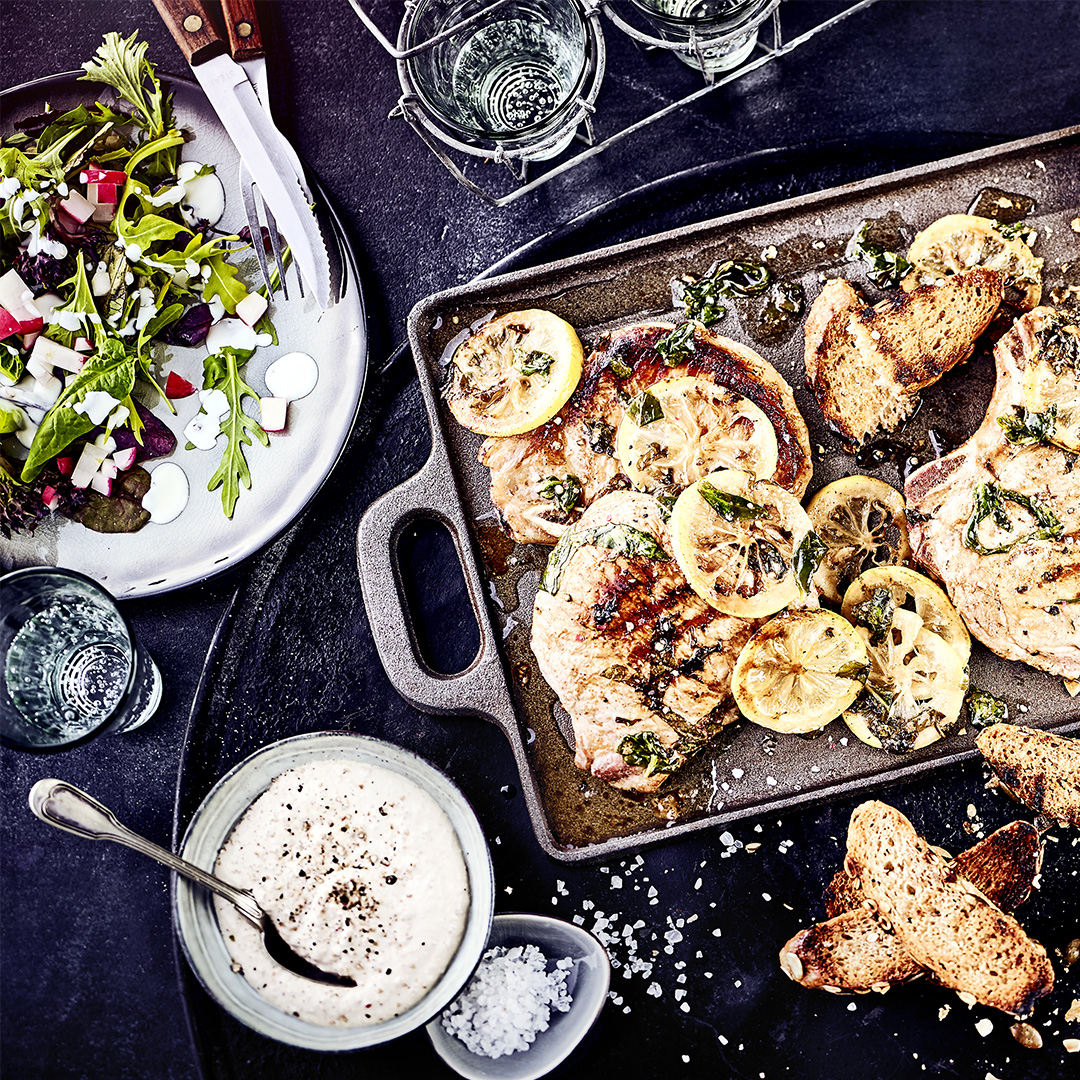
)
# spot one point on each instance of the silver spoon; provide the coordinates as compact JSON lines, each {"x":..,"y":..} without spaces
{"x":65,"y":806}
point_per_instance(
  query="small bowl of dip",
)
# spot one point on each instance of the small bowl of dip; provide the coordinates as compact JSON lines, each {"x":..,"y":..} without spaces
{"x":372,"y":864}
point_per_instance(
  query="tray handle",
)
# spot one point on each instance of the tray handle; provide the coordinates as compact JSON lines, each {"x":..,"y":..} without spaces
{"x":480,"y":689}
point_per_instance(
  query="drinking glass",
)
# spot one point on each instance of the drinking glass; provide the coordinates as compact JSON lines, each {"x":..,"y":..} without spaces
{"x":510,"y":81}
{"x":710,"y":35}
{"x":72,"y":666}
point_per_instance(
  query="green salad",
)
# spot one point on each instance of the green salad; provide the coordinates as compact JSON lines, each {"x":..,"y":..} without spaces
{"x":110,"y":256}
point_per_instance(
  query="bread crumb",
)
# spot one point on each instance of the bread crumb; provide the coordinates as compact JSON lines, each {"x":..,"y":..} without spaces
{"x":1075,"y":224}
{"x":984,"y":1026}
{"x":1074,"y":1011}
{"x":1071,"y":1045}
{"x":1072,"y":685}
{"x":944,"y":1011}
{"x":1040,"y":164}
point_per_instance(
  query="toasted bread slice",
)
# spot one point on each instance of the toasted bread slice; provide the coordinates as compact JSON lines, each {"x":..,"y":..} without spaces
{"x":866,"y":365}
{"x":852,"y":951}
{"x":1003,"y":866}
{"x":1039,"y":768}
{"x":943,"y":922}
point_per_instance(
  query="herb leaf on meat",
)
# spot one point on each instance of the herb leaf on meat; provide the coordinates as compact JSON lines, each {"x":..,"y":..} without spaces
{"x":644,"y":749}
{"x":622,"y":539}
{"x":808,"y":555}
{"x":1029,"y":428}
{"x":645,"y":409}
{"x":730,"y":507}
{"x":678,"y":345}
{"x":989,"y":501}
{"x":564,"y":491}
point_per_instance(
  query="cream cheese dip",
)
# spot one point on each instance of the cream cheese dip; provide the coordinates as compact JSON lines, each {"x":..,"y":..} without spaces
{"x":363,"y":874}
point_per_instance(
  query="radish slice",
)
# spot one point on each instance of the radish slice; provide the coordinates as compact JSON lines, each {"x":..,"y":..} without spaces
{"x":54,"y":355}
{"x":50,"y":497}
{"x":168,"y":493}
{"x":86,"y":468}
{"x":102,"y":483}
{"x":177,"y":387}
{"x":82,"y":210}
{"x":65,"y":465}
{"x":273,"y":412}
{"x":292,"y":376}
{"x":95,"y":174}
{"x":252,"y":308}
{"x":8,"y":324}
{"x":125,"y":458}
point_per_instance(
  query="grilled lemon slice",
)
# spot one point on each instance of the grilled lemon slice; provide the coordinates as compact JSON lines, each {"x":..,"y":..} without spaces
{"x":799,"y":671}
{"x":862,"y":521}
{"x":915,"y":592}
{"x":515,"y":373}
{"x":735,"y":538}
{"x":915,"y":687}
{"x":1052,"y":380}
{"x":679,"y":430}
{"x":960,"y":241}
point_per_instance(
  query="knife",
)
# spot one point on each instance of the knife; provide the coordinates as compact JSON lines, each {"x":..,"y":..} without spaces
{"x":265,"y":151}
{"x":247,"y":49}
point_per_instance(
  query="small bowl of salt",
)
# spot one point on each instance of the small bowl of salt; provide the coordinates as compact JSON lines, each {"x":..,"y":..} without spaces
{"x":537,"y":991}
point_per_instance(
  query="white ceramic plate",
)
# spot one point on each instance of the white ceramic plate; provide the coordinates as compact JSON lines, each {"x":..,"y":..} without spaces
{"x":285,"y":475}
{"x":196,"y":921}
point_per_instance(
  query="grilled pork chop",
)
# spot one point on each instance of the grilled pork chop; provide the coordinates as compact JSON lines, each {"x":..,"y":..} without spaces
{"x":1023,"y":602}
{"x":580,"y":440}
{"x":631,"y":650}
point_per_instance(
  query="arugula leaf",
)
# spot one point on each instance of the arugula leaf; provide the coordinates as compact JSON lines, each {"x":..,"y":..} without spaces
{"x":886,"y":267}
{"x":223,"y":282}
{"x":1029,"y":428}
{"x":110,"y":369}
{"x":730,"y":507}
{"x":645,"y":749}
{"x":564,"y":491}
{"x":989,"y":502}
{"x":678,"y":345}
{"x":808,"y":555}
{"x":622,"y":539}
{"x":222,"y":372}
{"x":645,"y":409}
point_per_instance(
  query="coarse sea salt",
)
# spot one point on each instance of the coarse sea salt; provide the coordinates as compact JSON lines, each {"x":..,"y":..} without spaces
{"x":509,"y":1001}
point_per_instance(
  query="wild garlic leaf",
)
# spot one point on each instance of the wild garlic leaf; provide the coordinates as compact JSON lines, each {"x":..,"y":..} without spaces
{"x":990,"y":501}
{"x":644,"y":749}
{"x":622,"y":539}
{"x":730,"y":507}
{"x":678,"y":345}
{"x":808,"y":555}
{"x":1029,"y":428}
{"x":645,"y":409}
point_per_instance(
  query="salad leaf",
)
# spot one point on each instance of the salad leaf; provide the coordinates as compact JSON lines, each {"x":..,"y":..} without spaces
{"x":120,"y":512}
{"x":79,"y":315}
{"x":112,"y":370}
{"x":11,"y":363}
{"x":224,"y":283}
{"x":121,"y":63}
{"x":222,"y":372}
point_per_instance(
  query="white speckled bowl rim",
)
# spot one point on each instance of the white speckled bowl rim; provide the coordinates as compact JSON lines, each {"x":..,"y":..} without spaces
{"x":196,"y":921}
{"x":588,"y":987}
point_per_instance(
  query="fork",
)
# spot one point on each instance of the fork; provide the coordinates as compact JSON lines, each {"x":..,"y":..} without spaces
{"x":246,"y":47}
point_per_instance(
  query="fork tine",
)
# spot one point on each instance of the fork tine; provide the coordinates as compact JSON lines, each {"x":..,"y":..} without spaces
{"x":275,"y":246}
{"x":251,"y":212}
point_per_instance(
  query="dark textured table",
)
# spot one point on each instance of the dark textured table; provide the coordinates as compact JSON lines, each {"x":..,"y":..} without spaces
{"x":88,"y":986}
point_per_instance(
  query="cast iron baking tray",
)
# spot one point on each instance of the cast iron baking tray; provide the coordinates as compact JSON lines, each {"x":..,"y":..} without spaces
{"x":748,"y":771}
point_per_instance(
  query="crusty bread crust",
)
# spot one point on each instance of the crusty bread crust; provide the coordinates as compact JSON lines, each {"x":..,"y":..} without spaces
{"x":852,"y":951}
{"x":943,"y":922}
{"x":1039,"y":768}
{"x":866,"y":364}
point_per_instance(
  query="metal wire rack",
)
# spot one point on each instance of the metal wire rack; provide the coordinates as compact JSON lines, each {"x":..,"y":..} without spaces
{"x":437,"y":140}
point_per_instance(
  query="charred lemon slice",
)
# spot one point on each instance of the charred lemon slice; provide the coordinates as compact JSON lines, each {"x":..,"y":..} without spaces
{"x":1052,"y":383}
{"x":515,"y":373}
{"x":862,"y":522}
{"x":915,"y":687}
{"x":735,"y":539}
{"x":679,"y":430}
{"x":911,"y":591}
{"x":960,"y":241}
{"x":799,"y":671}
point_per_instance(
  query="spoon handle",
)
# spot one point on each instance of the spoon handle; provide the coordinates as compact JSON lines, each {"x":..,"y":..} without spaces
{"x":65,"y":806}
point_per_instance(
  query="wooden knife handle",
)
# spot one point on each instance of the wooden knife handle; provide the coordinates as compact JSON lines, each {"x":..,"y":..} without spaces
{"x":242,"y":26}
{"x":189,"y":21}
